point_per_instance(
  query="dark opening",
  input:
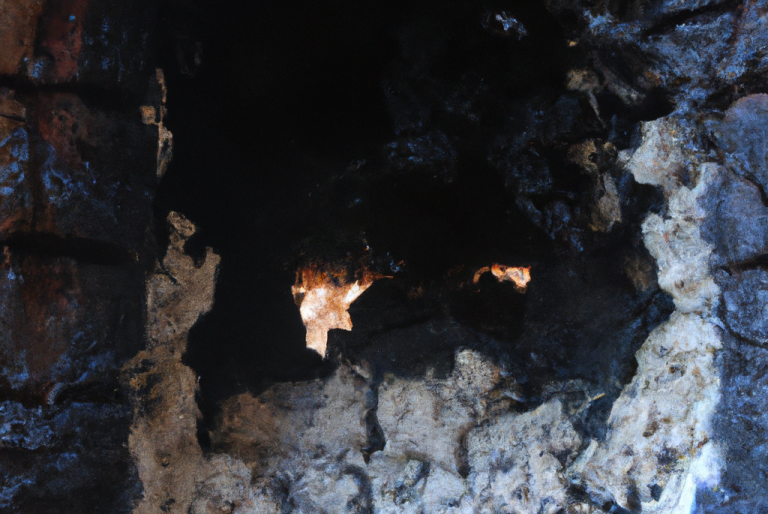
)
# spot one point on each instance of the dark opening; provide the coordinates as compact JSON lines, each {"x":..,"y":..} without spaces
{"x":315,"y":129}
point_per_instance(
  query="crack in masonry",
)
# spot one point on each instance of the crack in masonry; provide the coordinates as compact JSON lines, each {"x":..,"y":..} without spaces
{"x":106,"y":98}
{"x":12,"y":117}
{"x":753,"y":180}
{"x":375,"y":440}
{"x":670,"y":22}
{"x":732,"y":333}
{"x":83,"y":250}
{"x":734,"y":268}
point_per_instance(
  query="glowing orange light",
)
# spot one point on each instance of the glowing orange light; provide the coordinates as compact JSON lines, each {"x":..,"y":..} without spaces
{"x":520,"y":276}
{"x":324,"y":296}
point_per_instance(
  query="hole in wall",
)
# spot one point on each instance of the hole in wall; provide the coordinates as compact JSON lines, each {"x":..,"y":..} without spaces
{"x":283,"y":153}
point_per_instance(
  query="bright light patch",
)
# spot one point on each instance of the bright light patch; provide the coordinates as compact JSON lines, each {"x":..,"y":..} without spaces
{"x":323,"y":298}
{"x":520,"y":276}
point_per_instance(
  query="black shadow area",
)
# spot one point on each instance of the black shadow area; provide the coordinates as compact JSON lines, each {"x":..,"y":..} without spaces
{"x":283,"y":151}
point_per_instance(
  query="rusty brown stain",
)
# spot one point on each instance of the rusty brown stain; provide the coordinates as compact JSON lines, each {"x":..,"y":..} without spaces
{"x":16,"y":213}
{"x":18,"y":24}
{"x":62,"y":29}
{"x":6,"y":264}
{"x":62,"y":121}
{"x":17,"y":222}
{"x":50,"y":296}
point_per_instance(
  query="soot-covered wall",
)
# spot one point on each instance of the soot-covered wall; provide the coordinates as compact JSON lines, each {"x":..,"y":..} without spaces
{"x":168,"y":169}
{"x":431,"y":143}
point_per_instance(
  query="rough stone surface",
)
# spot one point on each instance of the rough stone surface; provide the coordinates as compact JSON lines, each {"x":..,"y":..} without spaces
{"x":17,"y":33}
{"x":658,"y":448}
{"x":624,"y":142}
{"x":77,"y":445}
{"x":691,"y":54}
{"x":746,"y":305}
{"x":741,"y":429}
{"x":446,"y":451}
{"x":592,"y":157}
{"x":682,"y":254}
{"x":76,"y":41}
{"x":517,"y":461}
{"x":50,"y":343}
{"x":429,"y":417}
{"x":746,"y":57}
{"x":667,"y":156}
{"x":328,"y":423}
{"x":661,"y":422}
{"x":162,"y":440}
{"x":70,"y":163}
{"x":70,"y":175}
{"x":741,"y":135}
{"x":738,"y":225}
{"x":76,"y":190}
{"x":176,"y":476}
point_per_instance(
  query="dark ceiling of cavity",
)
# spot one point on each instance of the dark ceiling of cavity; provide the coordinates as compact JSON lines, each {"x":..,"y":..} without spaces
{"x":313,"y":129}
